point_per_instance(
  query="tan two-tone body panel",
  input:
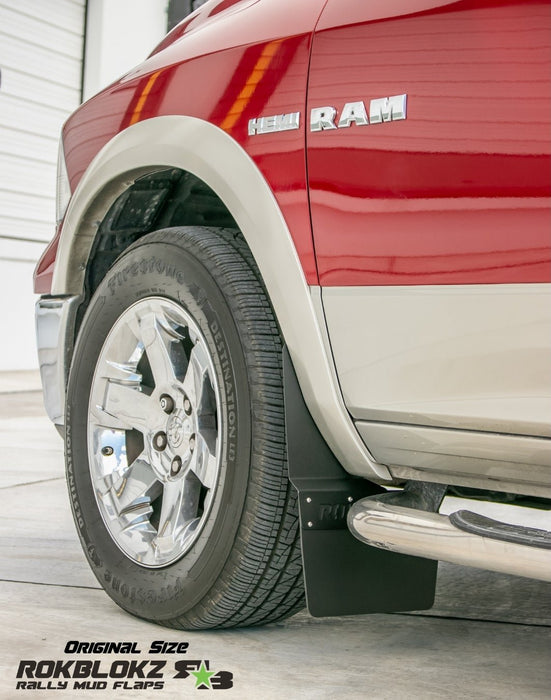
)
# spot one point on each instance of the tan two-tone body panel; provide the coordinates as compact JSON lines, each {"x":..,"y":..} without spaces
{"x":457,"y":387}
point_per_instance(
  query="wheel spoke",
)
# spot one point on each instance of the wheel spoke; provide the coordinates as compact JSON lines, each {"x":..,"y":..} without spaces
{"x":195,"y":374}
{"x":204,"y":463}
{"x":123,"y":372}
{"x":129,"y":493}
{"x":105,"y":420}
{"x":156,"y":348}
{"x":127,"y":408}
{"x":178,"y":513}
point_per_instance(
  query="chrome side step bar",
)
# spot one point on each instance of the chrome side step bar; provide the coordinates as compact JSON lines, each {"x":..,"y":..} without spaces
{"x":434,"y":536}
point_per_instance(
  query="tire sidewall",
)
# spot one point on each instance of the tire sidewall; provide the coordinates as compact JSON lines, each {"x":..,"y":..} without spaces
{"x":162,"y":270}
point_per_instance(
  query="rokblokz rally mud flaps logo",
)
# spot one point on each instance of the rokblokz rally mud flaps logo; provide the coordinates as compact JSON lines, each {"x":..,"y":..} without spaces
{"x":120,"y":674}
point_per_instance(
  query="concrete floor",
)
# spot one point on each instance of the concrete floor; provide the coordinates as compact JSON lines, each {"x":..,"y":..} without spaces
{"x":488,"y":636}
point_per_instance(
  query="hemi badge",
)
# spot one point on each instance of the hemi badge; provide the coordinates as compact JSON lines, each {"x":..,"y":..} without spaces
{"x":277,"y":122}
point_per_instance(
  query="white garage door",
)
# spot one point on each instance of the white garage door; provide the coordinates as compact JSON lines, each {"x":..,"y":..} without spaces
{"x":41,"y":44}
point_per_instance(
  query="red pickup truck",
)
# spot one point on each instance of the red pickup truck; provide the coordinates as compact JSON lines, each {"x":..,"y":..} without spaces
{"x":299,"y":291}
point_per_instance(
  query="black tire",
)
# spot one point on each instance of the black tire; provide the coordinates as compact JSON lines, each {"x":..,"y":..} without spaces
{"x":244,"y":567}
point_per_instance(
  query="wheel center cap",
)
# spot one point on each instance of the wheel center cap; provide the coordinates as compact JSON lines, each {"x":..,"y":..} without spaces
{"x":177,"y":430}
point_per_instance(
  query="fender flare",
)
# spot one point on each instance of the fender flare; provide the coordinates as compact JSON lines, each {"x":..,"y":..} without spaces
{"x":209,"y":153}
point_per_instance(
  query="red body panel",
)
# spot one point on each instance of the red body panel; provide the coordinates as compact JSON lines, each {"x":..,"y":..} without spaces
{"x":44,"y":271}
{"x":455,"y":194}
{"x":235,"y":66}
{"x":458,"y":192}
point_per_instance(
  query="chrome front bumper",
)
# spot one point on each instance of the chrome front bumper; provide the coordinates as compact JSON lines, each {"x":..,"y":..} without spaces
{"x":55,"y":325}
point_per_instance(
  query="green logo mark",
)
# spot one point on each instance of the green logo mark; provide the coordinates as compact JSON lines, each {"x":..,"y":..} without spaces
{"x":202,"y":676}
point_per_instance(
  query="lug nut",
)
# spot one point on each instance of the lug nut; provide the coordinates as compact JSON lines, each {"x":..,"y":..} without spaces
{"x":159,"y":441}
{"x":107,"y":451}
{"x":175,"y":466}
{"x":167,"y":403}
{"x":187,"y":406}
{"x":192,"y":443}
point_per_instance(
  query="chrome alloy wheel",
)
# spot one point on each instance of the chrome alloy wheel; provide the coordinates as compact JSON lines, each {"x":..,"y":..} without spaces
{"x":154,"y":429}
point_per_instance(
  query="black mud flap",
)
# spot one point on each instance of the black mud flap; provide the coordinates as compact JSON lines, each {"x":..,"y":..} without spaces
{"x":342,"y":575}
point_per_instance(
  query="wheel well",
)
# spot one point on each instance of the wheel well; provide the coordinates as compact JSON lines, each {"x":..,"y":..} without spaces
{"x":157,"y":200}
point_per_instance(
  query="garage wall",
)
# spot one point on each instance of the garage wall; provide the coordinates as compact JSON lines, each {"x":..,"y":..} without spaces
{"x":41,"y":45}
{"x":41,"y":48}
{"x":120,"y":34}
